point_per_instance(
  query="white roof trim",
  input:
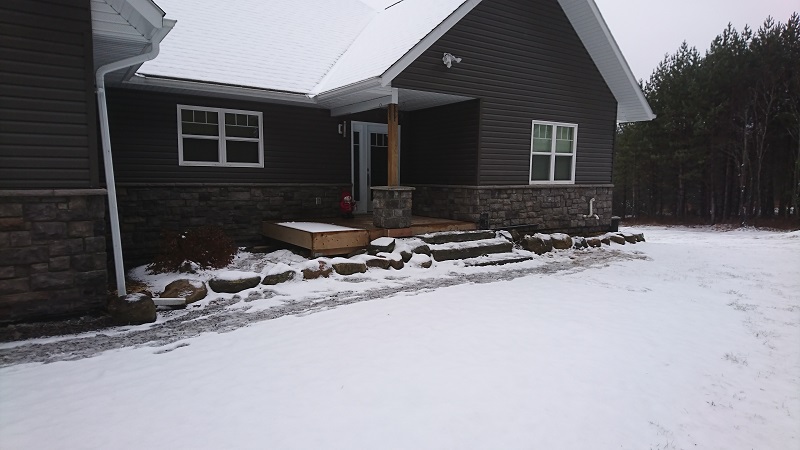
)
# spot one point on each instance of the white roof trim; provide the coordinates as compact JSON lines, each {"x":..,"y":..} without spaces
{"x":236,"y":91}
{"x":392,"y":72}
{"x":593,"y":31}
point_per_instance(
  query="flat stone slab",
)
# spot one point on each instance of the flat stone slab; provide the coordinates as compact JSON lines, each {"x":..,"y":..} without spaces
{"x":456,"y":236}
{"x":471,"y":250}
{"x":497,"y":259}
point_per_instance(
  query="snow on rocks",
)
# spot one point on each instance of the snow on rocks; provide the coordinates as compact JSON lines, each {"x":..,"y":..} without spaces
{"x":382,"y":244}
{"x":561,"y":241}
{"x":279,"y":273}
{"x":233,"y":281}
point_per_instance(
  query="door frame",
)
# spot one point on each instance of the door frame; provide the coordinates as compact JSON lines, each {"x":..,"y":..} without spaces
{"x":364,"y":129}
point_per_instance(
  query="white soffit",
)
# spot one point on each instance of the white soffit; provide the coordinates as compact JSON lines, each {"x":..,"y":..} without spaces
{"x":121,"y":29}
{"x":596,"y":37}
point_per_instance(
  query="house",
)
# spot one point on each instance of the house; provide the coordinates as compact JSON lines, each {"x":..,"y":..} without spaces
{"x":233,"y":113}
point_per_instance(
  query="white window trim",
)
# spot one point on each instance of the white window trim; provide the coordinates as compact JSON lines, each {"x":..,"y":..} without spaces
{"x":553,"y":153}
{"x":221,"y":137}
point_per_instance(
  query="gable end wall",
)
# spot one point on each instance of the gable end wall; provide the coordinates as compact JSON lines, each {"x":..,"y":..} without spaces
{"x":525,"y":62}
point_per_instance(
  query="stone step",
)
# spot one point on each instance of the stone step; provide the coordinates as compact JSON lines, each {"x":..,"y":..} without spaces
{"x":456,"y":236}
{"x":497,"y":259}
{"x":470,"y":249}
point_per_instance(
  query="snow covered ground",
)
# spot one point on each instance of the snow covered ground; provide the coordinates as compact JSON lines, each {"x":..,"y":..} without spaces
{"x":690,"y":340}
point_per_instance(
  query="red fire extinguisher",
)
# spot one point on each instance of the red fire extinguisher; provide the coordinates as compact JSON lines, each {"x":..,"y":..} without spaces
{"x":347,"y":205}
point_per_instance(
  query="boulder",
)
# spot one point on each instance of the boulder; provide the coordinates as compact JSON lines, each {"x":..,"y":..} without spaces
{"x":406,"y":256}
{"x":616,"y":239}
{"x":233,"y":282}
{"x":322,"y":270}
{"x":278,"y":278}
{"x":605,"y":240}
{"x":538,"y":243}
{"x":422,"y":249}
{"x":630,"y":238}
{"x":594,"y":242}
{"x":132,"y":309}
{"x":579,"y":243}
{"x":349,"y":268}
{"x":190,"y":290}
{"x":422,"y":261}
{"x":639,"y":237}
{"x":561,"y":241}
{"x":396,"y":264}
{"x":383,"y":244}
{"x":379,"y":263}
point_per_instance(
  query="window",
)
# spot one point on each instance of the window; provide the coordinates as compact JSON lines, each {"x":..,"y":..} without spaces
{"x":553,"y":152}
{"x":219,"y":137}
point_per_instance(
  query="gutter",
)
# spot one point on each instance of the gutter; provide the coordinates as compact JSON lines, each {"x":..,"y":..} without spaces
{"x":116,"y":240}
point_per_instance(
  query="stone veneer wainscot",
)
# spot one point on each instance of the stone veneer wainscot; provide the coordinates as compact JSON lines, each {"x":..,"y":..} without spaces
{"x":543,"y":207}
{"x":52,"y":253}
{"x":148,"y":209}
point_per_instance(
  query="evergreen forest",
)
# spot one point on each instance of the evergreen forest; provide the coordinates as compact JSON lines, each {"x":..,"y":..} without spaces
{"x":725,"y":145}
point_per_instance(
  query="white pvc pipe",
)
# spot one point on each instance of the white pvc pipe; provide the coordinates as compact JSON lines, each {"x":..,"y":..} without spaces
{"x":591,"y":210}
{"x":105,"y":135}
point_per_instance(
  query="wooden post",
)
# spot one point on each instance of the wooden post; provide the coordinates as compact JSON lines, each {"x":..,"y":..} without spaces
{"x":394,"y":154}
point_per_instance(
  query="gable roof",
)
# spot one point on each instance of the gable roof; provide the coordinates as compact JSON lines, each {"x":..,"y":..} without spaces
{"x":313,"y":49}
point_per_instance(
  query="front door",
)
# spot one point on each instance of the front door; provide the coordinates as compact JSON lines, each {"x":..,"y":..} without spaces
{"x":370,"y":159}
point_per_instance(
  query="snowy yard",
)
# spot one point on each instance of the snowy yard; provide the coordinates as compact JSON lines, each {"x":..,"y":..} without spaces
{"x":690,"y":340}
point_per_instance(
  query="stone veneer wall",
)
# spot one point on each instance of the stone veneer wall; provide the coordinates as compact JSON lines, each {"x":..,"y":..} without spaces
{"x":148,"y":209}
{"x":543,"y":207}
{"x":52,"y":253}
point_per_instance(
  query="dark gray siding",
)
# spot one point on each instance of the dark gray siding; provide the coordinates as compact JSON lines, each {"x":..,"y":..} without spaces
{"x":301,"y":145}
{"x":525,"y":61}
{"x":47,"y":103}
{"x":440,"y":145}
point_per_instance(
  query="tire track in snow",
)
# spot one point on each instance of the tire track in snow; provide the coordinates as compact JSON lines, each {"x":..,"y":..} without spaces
{"x":218,"y":317}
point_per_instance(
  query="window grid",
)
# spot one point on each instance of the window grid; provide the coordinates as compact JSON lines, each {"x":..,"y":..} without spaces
{"x":242,"y":121}
{"x":552,"y":145}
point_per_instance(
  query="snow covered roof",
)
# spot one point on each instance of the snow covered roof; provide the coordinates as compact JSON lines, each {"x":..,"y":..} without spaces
{"x":309,"y":48}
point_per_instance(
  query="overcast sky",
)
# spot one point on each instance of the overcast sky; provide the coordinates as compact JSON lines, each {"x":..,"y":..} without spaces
{"x":647,"y":29}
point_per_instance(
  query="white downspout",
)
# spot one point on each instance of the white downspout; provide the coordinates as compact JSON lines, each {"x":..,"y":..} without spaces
{"x":116,"y":241}
{"x":591,"y":210}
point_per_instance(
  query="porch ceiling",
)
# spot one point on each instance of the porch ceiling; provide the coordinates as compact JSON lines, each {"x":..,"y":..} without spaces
{"x":407,"y":100}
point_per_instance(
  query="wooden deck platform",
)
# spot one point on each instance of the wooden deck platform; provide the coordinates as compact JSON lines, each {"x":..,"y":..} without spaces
{"x":358,"y":234}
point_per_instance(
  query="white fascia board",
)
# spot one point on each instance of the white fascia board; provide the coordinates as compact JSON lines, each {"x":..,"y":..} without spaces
{"x":363,"y":106}
{"x":220,"y":89}
{"x":395,"y":69}
{"x":346,"y":90}
{"x":587,"y":36}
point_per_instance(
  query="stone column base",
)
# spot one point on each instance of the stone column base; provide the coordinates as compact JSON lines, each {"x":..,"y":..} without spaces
{"x":391,"y":206}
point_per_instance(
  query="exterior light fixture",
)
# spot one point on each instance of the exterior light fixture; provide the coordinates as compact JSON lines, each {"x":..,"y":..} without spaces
{"x":448,"y":59}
